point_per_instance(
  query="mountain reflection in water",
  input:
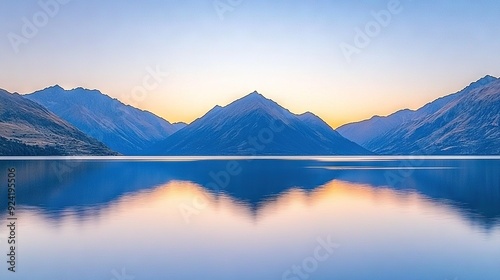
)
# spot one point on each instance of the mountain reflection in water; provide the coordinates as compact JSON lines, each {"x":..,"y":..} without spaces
{"x":256,"y":219}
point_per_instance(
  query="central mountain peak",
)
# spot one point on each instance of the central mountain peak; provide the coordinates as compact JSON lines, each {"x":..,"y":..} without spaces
{"x":253,"y":97}
{"x":255,"y":93}
{"x":255,"y":125}
{"x":255,"y":103}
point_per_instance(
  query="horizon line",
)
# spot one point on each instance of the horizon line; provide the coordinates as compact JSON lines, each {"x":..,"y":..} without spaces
{"x":223,"y":157}
{"x":325,"y":119}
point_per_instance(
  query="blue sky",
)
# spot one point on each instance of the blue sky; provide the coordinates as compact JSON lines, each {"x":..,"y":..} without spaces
{"x":217,"y":51}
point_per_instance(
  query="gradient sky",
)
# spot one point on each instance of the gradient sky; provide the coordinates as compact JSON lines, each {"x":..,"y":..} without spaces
{"x":287,"y":50}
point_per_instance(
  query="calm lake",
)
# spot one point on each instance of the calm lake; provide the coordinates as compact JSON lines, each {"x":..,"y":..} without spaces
{"x":255,"y":219}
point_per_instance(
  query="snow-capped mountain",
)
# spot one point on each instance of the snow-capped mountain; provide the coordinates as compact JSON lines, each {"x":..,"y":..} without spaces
{"x":255,"y":125}
{"x":121,"y":127}
{"x":465,"y":122}
{"x":27,"y":128}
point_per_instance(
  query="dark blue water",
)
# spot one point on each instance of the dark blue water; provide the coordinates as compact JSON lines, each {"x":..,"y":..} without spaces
{"x":302,"y":218}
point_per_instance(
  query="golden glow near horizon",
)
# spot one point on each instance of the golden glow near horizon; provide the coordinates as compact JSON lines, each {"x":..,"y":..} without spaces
{"x":337,"y":105}
{"x":178,"y":59}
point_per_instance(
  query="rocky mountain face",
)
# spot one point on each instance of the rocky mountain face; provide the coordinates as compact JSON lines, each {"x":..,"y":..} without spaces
{"x":29,"y":129}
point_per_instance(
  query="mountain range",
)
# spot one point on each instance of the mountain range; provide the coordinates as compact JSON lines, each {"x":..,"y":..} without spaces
{"x":55,"y":121}
{"x":121,"y":127}
{"x":462,"y":123}
{"x":29,"y":129}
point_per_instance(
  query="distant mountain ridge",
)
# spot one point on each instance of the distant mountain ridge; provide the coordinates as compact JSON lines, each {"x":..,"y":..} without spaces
{"x":255,"y":125}
{"x":75,"y":122}
{"x":459,"y":123}
{"x":29,"y":129}
{"x":121,"y":127}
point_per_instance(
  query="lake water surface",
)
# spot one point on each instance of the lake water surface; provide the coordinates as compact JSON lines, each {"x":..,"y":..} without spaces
{"x":256,"y":219}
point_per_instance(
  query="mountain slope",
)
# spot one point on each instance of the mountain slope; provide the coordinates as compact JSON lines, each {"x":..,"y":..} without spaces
{"x":123,"y":128}
{"x":364,"y":131}
{"x":468,"y":125}
{"x":369,"y":133}
{"x":27,"y":128}
{"x":254,"y":125}
{"x":464,"y":123}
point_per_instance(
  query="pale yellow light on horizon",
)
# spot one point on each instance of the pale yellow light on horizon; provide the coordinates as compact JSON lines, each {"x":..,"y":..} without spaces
{"x":337,"y":103}
{"x":332,"y":111}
